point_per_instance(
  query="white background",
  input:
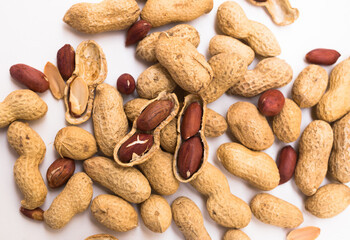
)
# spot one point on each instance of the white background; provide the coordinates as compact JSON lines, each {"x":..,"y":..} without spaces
{"x":33,"y":31}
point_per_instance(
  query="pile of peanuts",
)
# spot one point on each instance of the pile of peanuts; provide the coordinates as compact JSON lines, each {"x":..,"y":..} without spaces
{"x":143,"y":150}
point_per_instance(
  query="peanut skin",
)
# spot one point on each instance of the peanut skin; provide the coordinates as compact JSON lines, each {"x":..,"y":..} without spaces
{"x":108,"y":15}
{"x":75,"y":198}
{"x":258,"y":168}
{"x":314,"y":149}
{"x":21,"y":105}
{"x":31,"y":150}
{"x":188,"y":217}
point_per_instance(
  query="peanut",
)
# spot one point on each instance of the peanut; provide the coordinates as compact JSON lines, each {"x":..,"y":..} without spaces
{"x":159,"y":172}
{"x":225,"y":44}
{"x":31,"y":150}
{"x":329,"y":200}
{"x":108,"y":15}
{"x":186,"y":65}
{"x":228,"y":69}
{"x":305,"y":233}
{"x":189,"y":219}
{"x":314,"y":149}
{"x":286,"y":125}
{"x":75,"y":143}
{"x":109,"y":119}
{"x":268,"y":73}
{"x":134,"y":107}
{"x":257,"y":168}
{"x":114,"y":213}
{"x":286,"y":162}
{"x":156,"y":214}
{"x":249,"y":126}
{"x":335,"y":103}
{"x":128,"y":183}
{"x":275,"y":211}
{"x":168,"y":137}
{"x":75,"y":198}
{"x":146,"y":49}
{"x":235,"y":235}
{"x":190,"y":154}
{"x":223,"y":207}
{"x":139,"y":146}
{"x":30,"y":77}
{"x":162,"y":12}
{"x":322,"y":56}
{"x":233,"y":22}
{"x":137,"y":32}
{"x":309,"y":86}
{"x":271,"y":103}
{"x":60,"y":172}
{"x":35,"y":214}
{"x":153,"y":81}
{"x":21,"y":105}
{"x":215,"y":124}
{"x":191,"y":121}
{"x":339,"y":162}
{"x":126,"y":84}
{"x":56,"y":82}
{"x":90,"y":71}
{"x":66,"y":61}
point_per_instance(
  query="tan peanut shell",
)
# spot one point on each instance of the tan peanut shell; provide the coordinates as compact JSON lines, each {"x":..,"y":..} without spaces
{"x":188,"y":218}
{"x":146,"y":48}
{"x":128,"y":183}
{"x":31,"y":150}
{"x":228,"y":69}
{"x":235,"y":235}
{"x":153,"y":81}
{"x":188,"y":100}
{"x":339,"y":162}
{"x":286,"y":125}
{"x":335,"y":103}
{"x":280,"y":11}
{"x":223,"y":207}
{"x":107,"y":15}
{"x":257,"y":168}
{"x":186,"y":65}
{"x":114,"y":213}
{"x":309,"y":86}
{"x":215,"y":124}
{"x":162,"y":12}
{"x":21,"y":104}
{"x":156,"y":132}
{"x":168,"y":136}
{"x":74,"y":198}
{"x":75,"y":143}
{"x":268,"y":73}
{"x":249,"y":126}
{"x":101,"y":237}
{"x":275,"y":211}
{"x":134,"y":107}
{"x":314,"y":149}
{"x":233,"y":21}
{"x":329,"y":200}
{"x":91,"y":67}
{"x":156,"y":213}
{"x":226,"y":44}
{"x":159,"y":172}
{"x":109,"y":119}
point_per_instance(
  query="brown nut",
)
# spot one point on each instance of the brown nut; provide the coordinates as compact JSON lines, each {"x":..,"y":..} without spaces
{"x":154,"y":114}
{"x":322,"y":56}
{"x":60,"y":172}
{"x":191,"y":121}
{"x":286,"y":163}
{"x":30,"y":77}
{"x":189,"y":157}
{"x":126,"y":84}
{"x":66,"y":61}
{"x":137,"y":32}
{"x":138,"y":144}
{"x":271,"y":103}
{"x":36,"y":214}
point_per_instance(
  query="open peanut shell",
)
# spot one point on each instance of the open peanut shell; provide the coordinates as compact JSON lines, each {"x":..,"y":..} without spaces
{"x":90,"y":71}
{"x":280,"y":11}
{"x":188,"y":100}
{"x":138,"y":159}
